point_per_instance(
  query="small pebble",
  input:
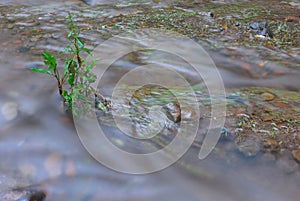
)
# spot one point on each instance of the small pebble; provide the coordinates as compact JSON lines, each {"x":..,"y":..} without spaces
{"x":9,"y":110}
{"x":33,"y":39}
{"x":17,"y":42}
{"x":23,"y":49}
{"x":10,"y":26}
{"x":267,"y":96}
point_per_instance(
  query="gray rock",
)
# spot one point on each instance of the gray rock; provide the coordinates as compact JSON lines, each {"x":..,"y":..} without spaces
{"x":249,"y":146}
{"x":287,"y":165}
{"x":23,"y":195}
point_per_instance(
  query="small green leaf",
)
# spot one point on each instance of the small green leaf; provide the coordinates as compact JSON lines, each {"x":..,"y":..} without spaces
{"x":39,"y":70}
{"x":71,"y":79}
{"x":87,"y":51}
{"x":49,"y":60}
{"x":65,"y":93}
{"x":46,"y":55}
{"x":80,"y":43}
{"x":66,"y":66}
{"x":70,"y":34}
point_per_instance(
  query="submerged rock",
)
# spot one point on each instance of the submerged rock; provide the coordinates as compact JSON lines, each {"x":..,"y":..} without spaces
{"x":249,"y":146}
{"x":262,"y":29}
{"x":173,"y":112}
{"x":267,"y":96}
{"x":296,"y":155}
{"x":23,"y":195}
{"x":287,"y":165}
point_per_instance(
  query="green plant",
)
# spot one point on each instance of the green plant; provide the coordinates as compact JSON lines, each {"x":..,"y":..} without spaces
{"x":76,"y":79}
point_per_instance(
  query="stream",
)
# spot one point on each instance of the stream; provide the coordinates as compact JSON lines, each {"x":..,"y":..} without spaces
{"x":257,"y":157}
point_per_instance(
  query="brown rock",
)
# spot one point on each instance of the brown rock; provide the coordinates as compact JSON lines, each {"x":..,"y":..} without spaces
{"x":17,"y":42}
{"x":173,"y":112}
{"x":267,"y":96}
{"x":292,"y":18}
{"x":271,"y":145}
{"x":249,"y":147}
{"x":10,"y":26}
{"x":297,"y":137}
{"x":268,"y":118}
{"x":281,"y":104}
{"x":296,"y":154}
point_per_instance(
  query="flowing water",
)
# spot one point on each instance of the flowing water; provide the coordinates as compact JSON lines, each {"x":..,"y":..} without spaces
{"x":40,"y":148}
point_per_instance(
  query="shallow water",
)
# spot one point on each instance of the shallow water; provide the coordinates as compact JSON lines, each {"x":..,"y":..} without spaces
{"x":40,"y":148}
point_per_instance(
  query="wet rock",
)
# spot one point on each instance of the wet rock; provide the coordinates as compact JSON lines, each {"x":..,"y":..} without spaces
{"x":10,"y":26}
{"x":267,"y":96}
{"x":14,"y":195}
{"x":287,"y":165}
{"x":208,"y":14}
{"x":23,"y":195}
{"x":23,"y":49}
{"x":227,"y":135}
{"x":249,"y":147}
{"x":254,"y":25}
{"x":268,"y":157}
{"x":28,"y":170}
{"x":37,"y":196}
{"x":34,"y":39}
{"x":9,"y":110}
{"x":173,"y":111}
{"x":262,"y":29}
{"x":17,"y":42}
{"x":296,"y":155}
{"x":271,"y":145}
